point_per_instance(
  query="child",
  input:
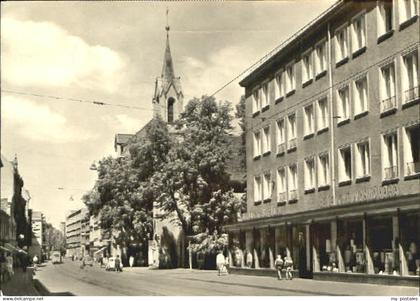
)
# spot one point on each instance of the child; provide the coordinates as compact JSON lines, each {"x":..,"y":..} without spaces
{"x":279,"y":265}
{"x":288,"y":263}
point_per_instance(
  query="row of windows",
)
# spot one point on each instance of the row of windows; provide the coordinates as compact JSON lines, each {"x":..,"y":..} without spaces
{"x":316,"y":115}
{"x":314,"y":61}
{"x":354,"y":163}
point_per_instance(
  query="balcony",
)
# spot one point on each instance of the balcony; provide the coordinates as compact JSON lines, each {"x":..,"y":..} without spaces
{"x":411,"y":95}
{"x":388,"y":105}
{"x":291,"y":144}
{"x":412,"y":168}
{"x":281,"y":148}
{"x":390,"y":172}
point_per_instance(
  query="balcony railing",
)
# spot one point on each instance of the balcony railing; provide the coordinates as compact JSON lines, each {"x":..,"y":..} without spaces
{"x":390,"y":172}
{"x":291,"y":143}
{"x":282,"y":197}
{"x":281,"y":148}
{"x":388,"y":104}
{"x":411,"y":94}
{"x":293,"y":195}
{"x":413,"y":168}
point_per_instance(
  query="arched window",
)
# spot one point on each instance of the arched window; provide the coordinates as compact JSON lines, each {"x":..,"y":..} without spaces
{"x":171,"y":103}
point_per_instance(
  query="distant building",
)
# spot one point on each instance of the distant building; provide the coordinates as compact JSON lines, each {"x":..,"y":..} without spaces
{"x":333,"y":137}
{"x":77,"y":233}
{"x":63,"y":228}
{"x":38,"y":234}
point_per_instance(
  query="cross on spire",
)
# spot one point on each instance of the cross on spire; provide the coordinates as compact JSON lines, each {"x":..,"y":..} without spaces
{"x":167,"y":20}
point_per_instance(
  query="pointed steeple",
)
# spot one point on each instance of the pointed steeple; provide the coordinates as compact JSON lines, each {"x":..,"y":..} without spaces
{"x":168,"y":72}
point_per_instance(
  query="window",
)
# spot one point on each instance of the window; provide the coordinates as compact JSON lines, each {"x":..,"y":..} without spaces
{"x":264,"y":95}
{"x":256,"y":104}
{"x":257,"y":189}
{"x":344,"y":165}
{"x":257,"y":144}
{"x":306,"y":67}
{"x":171,"y":103}
{"x":308,"y":120}
{"x":266,"y":141}
{"x":323,"y":170}
{"x":322,"y":114}
{"x":360,"y":96}
{"x":389,"y":156}
{"x":321,"y":57}
{"x":410,"y":78}
{"x":281,"y":185}
{"x":362,"y":160}
{"x":341,"y":44}
{"x":343,"y":104}
{"x":385,"y":17}
{"x":272,"y":91}
{"x":267,"y":186}
{"x":358,"y":33}
{"x":387,"y":87}
{"x":412,"y":150}
{"x":280,"y":85}
{"x":291,"y":131}
{"x":407,"y":9}
{"x":280,"y":137}
{"x":290,"y":78}
{"x":292,"y":182}
{"x":309,"y":175}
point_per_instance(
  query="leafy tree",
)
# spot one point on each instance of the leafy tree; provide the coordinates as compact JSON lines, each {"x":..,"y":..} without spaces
{"x":54,"y":239}
{"x":194,"y":183}
{"x":241,"y":115}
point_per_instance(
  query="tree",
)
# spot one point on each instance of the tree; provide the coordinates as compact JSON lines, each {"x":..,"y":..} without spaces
{"x":194,"y":183}
{"x":54,"y":239}
{"x":241,"y":115}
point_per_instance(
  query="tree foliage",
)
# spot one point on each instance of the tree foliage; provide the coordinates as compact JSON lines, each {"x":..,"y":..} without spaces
{"x":54,"y":239}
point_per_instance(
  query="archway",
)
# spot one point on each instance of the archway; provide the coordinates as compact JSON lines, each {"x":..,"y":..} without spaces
{"x":171,"y":102}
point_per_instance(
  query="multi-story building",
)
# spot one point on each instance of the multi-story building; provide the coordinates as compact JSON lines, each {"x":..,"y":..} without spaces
{"x":7,"y":222}
{"x":38,"y":234}
{"x":333,"y":146}
{"x":77,"y":233}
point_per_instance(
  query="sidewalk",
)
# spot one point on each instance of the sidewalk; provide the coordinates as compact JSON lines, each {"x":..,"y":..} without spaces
{"x":20,"y":284}
{"x":297,"y":285}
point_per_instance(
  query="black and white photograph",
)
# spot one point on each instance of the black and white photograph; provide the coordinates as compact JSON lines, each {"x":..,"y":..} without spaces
{"x":210,"y":148}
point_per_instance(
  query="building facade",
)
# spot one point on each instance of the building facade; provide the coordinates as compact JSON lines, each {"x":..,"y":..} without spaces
{"x":38,"y":235}
{"x":333,"y":144}
{"x":77,"y":233}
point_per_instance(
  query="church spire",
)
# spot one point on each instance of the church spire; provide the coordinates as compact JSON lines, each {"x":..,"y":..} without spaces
{"x":168,"y":72}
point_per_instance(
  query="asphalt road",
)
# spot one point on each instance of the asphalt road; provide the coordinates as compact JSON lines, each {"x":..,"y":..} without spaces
{"x":69,"y":279}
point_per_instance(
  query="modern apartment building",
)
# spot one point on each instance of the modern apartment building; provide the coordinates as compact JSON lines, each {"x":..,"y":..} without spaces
{"x":333,"y":147}
{"x":77,"y":233}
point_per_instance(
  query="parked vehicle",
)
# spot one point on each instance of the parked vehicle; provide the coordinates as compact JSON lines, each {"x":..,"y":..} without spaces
{"x":110,"y":266}
{"x":56,"y":257}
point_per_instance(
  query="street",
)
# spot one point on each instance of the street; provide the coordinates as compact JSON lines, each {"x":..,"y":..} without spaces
{"x":69,"y":279}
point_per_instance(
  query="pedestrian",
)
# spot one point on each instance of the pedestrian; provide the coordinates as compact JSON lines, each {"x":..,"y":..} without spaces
{"x":35,"y":261}
{"x":118,"y":264}
{"x":248,"y":259}
{"x":220,"y":262}
{"x":131,"y":261}
{"x":101,"y":261}
{"x":9,"y":265}
{"x":227,"y":264}
{"x":279,"y":266}
{"x":3,"y":267}
{"x":288,"y":264}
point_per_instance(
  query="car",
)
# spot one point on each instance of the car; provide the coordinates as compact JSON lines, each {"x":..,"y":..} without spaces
{"x":56,"y":257}
{"x":110,"y":266}
{"x":88,"y":260}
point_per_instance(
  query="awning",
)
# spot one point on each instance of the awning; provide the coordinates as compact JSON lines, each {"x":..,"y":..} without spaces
{"x":100,"y":250}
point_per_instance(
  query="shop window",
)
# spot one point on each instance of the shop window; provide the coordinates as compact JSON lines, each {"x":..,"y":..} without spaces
{"x":385,"y":17}
{"x":344,"y":165}
{"x":350,"y":241}
{"x":341,"y":44}
{"x":281,"y":185}
{"x":307,"y":67}
{"x":387,"y":88}
{"x":358,"y":33}
{"x":343,"y":106}
{"x":322,"y":246}
{"x":380,"y":242}
{"x":412,"y":150}
{"x":410,"y":78}
{"x":292,"y":182}
{"x":291,"y":131}
{"x":407,"y":10}
{"x":390,"y":156}
{"x":410,"y":241}
{"x":280,"y":137}
{"x":362,"y":160}
{"x":308,"y":120}
{"x":321,"y":58}
{"x":309,"y":175}
{"x":323,"y":170}
{"x":360,"y":96}
{"x":322,"y":114}
{"x":266,"y":141}
{"x":257,"y":144}
{"x":258,"y":189}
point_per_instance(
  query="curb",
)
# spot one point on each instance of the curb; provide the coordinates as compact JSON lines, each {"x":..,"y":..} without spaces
{"x":40,"y":288}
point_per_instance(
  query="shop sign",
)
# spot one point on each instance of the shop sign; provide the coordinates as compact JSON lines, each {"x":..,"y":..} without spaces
{"x":266,"y":212}
{"x":373,"y":193}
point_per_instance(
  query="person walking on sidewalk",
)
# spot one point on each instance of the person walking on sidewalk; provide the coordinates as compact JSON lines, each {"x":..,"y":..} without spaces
{"x":288,"y":264}
{"x":220,"y":262}
{"x":118,"y":264}
{"x":279,"y":266}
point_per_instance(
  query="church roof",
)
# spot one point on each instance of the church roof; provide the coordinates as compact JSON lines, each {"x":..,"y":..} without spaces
{"x":168,"y":72}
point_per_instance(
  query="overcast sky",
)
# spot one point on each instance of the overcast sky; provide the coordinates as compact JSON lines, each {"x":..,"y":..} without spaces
{"x":112,"y":52}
